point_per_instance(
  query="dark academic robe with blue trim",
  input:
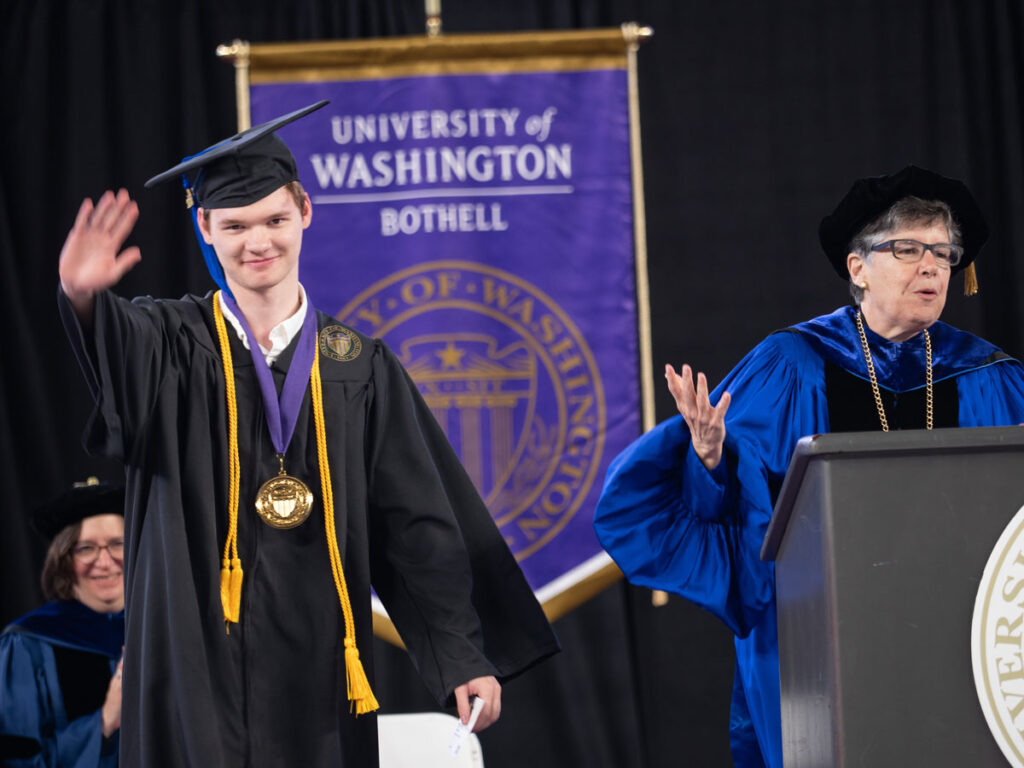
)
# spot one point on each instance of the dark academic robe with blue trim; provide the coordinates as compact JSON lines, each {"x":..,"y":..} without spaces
{"x":55,"y":667}
{"x":272,"y":691}
{"x":671,"y":524}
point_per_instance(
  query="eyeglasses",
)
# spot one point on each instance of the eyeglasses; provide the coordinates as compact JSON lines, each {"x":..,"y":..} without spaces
{"x":89,"y":553}
{"x":946,"y":254}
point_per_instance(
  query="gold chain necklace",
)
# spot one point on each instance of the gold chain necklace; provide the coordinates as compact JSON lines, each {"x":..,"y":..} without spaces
{"x":928,"y":412}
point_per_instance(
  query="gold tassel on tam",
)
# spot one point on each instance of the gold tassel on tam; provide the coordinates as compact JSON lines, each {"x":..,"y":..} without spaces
{"x":970,"y":280}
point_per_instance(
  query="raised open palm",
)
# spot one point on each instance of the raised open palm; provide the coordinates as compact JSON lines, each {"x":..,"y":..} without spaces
{"x":91,"y":259}
{"x":705,"y":421}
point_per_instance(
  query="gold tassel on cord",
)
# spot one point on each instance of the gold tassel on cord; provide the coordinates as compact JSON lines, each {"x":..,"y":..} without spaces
{"x":225,"y":587}
{"x":359,"y":693}
{"x":231,"y":589}
{"x":970,"y":280}
{"x":235,"y":590}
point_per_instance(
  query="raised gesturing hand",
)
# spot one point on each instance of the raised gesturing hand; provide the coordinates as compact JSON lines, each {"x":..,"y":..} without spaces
{"x":91,"y":259}
{"x":705,"y":421}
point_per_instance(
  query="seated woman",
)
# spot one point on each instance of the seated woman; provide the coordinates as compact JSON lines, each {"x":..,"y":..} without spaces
{"x":685,"y":507}
{"x":60,"y":670}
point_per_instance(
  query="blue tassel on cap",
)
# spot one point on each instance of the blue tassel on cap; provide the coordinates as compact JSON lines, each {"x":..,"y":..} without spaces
{"x":209,"y":255}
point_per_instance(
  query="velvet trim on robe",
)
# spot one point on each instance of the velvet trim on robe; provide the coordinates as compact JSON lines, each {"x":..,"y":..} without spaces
{"x":36,"y":728}
{"x":272,"y":691}
{"x":72,"y":624}
{"x":672,"y":525}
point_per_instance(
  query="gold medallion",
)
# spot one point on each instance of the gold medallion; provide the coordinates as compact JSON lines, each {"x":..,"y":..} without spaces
{"x":284,"y":501}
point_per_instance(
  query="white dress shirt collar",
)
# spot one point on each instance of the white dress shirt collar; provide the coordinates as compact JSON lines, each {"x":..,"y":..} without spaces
{"x":281,"y":335}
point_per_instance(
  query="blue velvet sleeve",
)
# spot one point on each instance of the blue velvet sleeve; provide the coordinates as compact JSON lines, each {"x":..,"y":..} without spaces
{"x":32,"y":709}
{"x":671,"y":524}
{"x":992,"y":396}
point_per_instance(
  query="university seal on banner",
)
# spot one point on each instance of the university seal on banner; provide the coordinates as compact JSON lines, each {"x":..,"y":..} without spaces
{"x":997,"y":633}
{"x":510,"y":379}
{"x":339,"y":343}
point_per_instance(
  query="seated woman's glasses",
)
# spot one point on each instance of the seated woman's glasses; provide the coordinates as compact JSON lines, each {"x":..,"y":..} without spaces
{"x":88,"y":552}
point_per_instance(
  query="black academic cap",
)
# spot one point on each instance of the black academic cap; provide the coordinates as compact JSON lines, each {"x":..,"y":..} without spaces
{"x":871,"y":197}
{"x":77,"y":503}
{"x":243,"y":169}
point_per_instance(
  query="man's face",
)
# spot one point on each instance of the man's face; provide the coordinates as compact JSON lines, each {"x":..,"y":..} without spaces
{"x":903,"y":298}
{"x":258,"y":245}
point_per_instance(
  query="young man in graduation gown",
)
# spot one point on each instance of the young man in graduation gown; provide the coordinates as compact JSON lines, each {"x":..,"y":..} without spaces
{"x":278,"y":462}
{"x":685,"y":507}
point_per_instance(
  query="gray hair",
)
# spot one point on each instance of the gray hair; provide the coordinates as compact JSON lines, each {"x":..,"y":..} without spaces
{"x":903,"y":213}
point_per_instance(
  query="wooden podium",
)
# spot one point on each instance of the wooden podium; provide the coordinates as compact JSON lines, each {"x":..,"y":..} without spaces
{"x":880,"y":542}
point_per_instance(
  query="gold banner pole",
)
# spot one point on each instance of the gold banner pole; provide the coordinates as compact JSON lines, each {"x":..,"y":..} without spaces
{"x":433,"y":8}
{"x":634,"y":35}
{"x":238,"y":54}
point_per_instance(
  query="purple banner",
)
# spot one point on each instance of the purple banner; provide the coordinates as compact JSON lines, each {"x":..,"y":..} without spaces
{"x":481,"y":225}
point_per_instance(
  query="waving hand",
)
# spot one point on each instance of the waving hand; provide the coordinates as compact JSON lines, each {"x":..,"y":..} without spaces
{"x":91,"y":259}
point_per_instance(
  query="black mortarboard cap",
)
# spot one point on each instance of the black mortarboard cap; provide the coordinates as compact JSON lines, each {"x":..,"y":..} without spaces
{"x":243,"y":169}
{"x":77,"y":503}
{"x":871,"y":197}
{"x":234,"y":173}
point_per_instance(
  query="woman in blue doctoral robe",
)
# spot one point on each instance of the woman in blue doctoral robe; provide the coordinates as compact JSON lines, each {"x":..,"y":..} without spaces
{"x":681,"y":516}
{"x":60,"y":685}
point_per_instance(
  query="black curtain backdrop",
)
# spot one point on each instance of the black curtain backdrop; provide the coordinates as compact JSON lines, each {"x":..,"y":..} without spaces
{"x":756,"y":118}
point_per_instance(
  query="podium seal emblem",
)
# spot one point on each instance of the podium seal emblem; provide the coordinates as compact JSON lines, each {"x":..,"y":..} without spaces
{"x":997,"y":641}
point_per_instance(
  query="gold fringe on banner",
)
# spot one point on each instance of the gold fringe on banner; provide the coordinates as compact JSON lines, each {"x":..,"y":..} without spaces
{"x":546,"y":51}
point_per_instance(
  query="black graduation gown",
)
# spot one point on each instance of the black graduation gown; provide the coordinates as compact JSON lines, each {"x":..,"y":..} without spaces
{"x":272,"y":691}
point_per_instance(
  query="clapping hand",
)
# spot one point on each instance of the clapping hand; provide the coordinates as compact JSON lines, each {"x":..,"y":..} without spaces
{"x":110,"y":714}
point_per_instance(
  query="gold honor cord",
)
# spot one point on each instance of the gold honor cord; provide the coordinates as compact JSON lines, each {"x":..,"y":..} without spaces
{"x":231,"y":566}
{"x":359,"y":693}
